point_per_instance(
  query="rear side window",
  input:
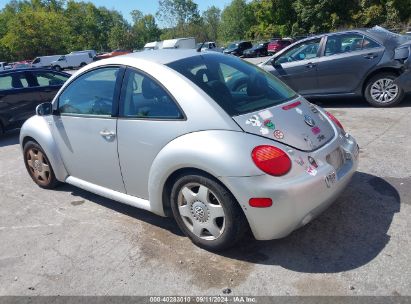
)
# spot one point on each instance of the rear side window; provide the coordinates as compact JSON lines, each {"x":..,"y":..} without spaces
{"x":345,"y":43}
{"x":45,"y":79}
{"x":90,"y":94}
{"x":142,"y":97}
{"x":14,"y":81}
{"x":238,"y":87}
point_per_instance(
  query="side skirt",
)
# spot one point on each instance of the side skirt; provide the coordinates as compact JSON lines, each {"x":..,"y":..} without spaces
{"x":111,"y":194}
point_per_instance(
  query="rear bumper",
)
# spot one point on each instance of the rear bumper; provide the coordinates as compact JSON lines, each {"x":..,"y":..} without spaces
{"x":298,"y":199}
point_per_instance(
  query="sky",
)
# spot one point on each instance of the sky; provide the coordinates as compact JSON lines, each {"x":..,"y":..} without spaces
{"x":146,"y":6}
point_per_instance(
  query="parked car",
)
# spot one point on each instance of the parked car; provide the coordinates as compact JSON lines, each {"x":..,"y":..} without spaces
{"x":21,"y":65}
{"x":350,"y":63}
{"x":44,"y":61}
{"x":113,"y":54}
{"x":21,"y":91}
{"x":209,"y":46}
{"x":277,"y":45}
{"x":4,"y":66}
{"x":72,"y":61}
{"x":257,"y":50}
{"x":235,"y":160}
{"x":179,"y":43}
{"x":237,"y":48}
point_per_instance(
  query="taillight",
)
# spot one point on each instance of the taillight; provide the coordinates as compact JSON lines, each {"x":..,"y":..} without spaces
{"x":260,"y":202}
{"x":335,"y":120}
{"x":271,"y":160}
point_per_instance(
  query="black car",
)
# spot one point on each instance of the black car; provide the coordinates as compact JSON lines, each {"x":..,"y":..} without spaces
{"x":237,"y":48}
{"x":257,"y":50}
{"x":352,"y":63}
{"x":22,"y":90}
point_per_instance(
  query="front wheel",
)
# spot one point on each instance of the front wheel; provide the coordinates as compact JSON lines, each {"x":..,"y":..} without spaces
{"x":57,"y":68}
{"x":207,"y":212}
{"x":381,"y":91}
{"x":38,"y":166}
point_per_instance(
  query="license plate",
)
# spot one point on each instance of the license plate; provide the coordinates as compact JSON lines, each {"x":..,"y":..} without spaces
{"x":336,"y":159}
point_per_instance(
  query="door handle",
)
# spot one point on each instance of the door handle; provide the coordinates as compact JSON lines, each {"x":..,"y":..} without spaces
{"x":310,"y":65}
{"x":370,"y":56}
{"x":106,"y":133}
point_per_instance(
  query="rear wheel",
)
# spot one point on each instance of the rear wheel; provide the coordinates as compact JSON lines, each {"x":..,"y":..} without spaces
{"x":83,"y":64}
{"x":38,"y":166}
{"x":207,"y":212}
{"x":381,"y":91}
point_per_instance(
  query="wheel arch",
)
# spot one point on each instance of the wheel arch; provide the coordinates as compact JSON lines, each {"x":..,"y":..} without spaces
{"x":37,"y":130}
{"x":376,"y":72}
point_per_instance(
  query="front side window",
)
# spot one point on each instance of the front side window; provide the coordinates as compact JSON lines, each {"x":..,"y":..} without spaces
{"x":37,"y":60}
{"x":62,"y":58}
{"x":90,"y":94}
{"x":236,"y":86}
{"x":45,"y":79}
{"x":303,"y":51}
{"x":142,"y":97}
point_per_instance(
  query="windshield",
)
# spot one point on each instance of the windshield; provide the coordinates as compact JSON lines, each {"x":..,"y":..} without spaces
{"x":37,"y":60}
{"x":237,"y":86}
{"x":62,"y":58}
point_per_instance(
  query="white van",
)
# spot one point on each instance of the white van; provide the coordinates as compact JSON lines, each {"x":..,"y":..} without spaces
{"x":155,"y":45}
{"x":180,"y":43}
{"x":92,"y":52}
{"x":44,"y":61}
{"x":72,"y":61}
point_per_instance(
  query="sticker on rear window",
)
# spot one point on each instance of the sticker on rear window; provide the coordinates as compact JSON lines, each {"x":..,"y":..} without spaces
{"x":269,"y":124}
{"x":278,"y":134}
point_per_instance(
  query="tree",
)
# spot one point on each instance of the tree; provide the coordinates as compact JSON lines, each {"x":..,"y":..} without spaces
{"x":236,"y":19}
{"x":145,"y":29}
{"x":212,"y":19}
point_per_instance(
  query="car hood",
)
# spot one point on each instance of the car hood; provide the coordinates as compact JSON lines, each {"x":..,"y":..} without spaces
{"x":298,"y":124}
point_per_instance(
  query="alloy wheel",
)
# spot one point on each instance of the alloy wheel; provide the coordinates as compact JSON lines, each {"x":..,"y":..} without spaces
{"x":384,"y":90}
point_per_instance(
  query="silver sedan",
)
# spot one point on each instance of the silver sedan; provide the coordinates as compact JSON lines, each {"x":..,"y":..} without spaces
{"x":213,"y":141}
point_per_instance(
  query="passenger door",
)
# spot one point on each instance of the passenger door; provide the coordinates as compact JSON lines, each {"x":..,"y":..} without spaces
{"x":85,"y":127}
{"x":347,"y":59}
{"x":18,"y":101}
{"x":149,"y":118}
{"x":298,"y":66}
{"x":48,"y":83}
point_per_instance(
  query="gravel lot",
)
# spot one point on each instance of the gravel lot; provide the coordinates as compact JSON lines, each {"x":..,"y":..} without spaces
{"x":70,"y":242}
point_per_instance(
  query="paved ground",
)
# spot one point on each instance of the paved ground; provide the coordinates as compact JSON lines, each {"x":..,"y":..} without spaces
{"x":70,"y":242}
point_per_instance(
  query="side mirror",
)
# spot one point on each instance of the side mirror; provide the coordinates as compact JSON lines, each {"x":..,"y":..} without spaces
{"x":44,"y":109}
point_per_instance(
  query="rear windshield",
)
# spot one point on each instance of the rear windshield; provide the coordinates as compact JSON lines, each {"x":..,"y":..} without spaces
{"x":237,"y":86}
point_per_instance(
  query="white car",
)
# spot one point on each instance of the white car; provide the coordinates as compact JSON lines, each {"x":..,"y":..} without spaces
{"x":4,"y":66}
{"x":44,"y":61}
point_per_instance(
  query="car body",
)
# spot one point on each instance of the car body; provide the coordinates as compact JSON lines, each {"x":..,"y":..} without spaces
{"x":21,"y":91}
{"x":127,"y":128}
{"x":44,"y":61}
{"x":154,"y":45}
{"x":114,"y":53}
{"x":277,"y":45}
{"x":258,"y":50}
{"x":72,"y":61}
{"x":237,"y":48}
{"x":350,"y":63}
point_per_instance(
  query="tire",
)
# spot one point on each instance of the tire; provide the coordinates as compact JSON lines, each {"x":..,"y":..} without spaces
{"x":383,"y":83}
{"x":83,"y":64}
{"x":207,"y":212}
{"x":38,"y":166}
{"x":57,"y":68}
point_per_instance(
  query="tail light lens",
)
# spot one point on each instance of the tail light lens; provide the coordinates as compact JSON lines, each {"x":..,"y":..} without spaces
{"x":335,"y":120}
{"x":271,"y":160}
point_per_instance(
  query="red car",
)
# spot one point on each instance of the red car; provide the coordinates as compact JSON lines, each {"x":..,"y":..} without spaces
{"x":277,"y":45}
{"x":113,"y":54}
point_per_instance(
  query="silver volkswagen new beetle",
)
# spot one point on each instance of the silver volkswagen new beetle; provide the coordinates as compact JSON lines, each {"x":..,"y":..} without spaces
{"x":213,"y":141}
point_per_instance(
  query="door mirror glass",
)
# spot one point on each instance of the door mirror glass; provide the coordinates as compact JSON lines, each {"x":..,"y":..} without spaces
{"x":44,"y":109}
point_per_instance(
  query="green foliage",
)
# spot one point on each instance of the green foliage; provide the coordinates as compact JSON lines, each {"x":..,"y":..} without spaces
{"x":29,"y":28}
